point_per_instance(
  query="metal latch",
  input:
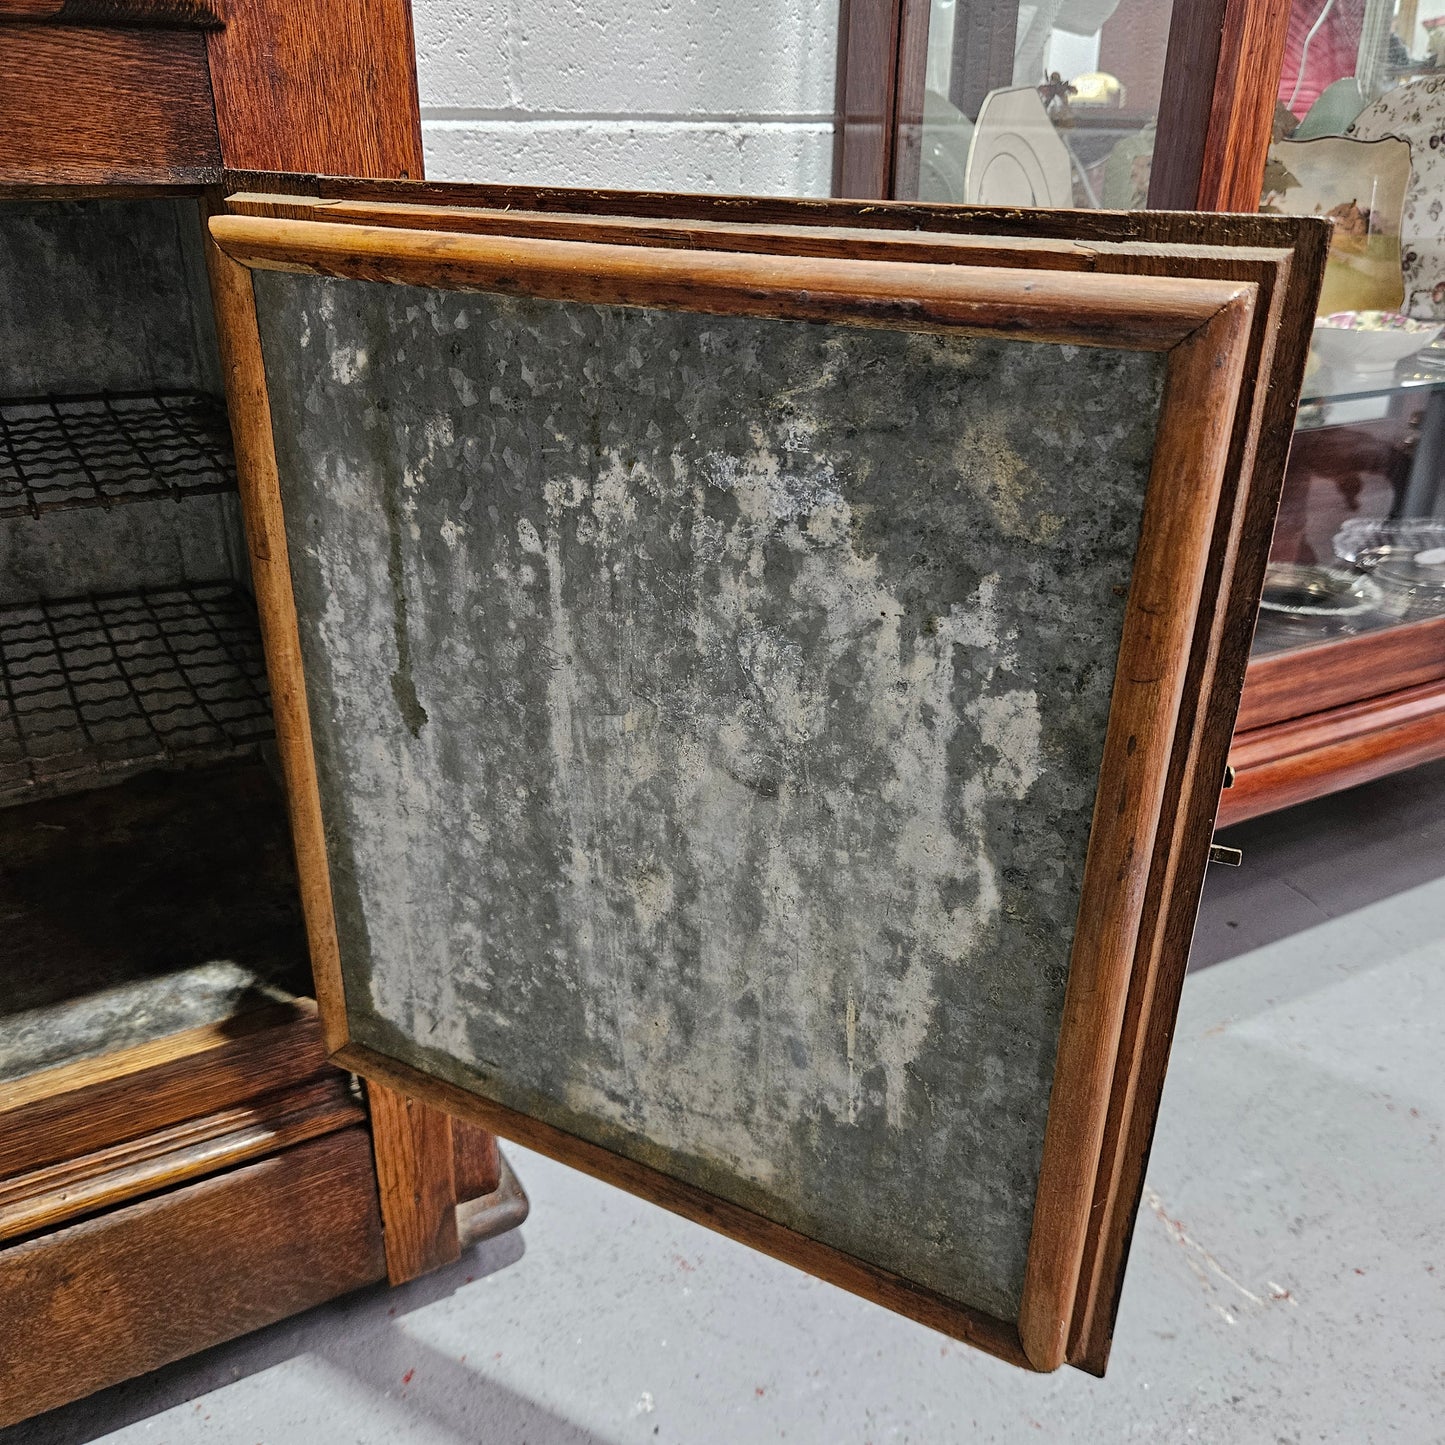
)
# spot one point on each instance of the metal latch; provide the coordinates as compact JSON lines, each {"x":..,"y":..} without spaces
{"x":1230,"y":857}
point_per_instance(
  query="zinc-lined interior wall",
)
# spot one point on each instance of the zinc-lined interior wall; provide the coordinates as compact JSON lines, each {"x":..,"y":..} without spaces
{"x":688,"y":95}
{"x":106,"y":296}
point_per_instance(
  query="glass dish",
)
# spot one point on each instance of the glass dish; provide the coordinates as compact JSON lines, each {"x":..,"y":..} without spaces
{"x":1297,"y":589}
{"x":1405,"y":558}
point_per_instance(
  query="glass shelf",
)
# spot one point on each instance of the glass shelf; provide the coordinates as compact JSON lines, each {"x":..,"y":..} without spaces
{"x":1367,"y":445}
{"x":1323,"y":389}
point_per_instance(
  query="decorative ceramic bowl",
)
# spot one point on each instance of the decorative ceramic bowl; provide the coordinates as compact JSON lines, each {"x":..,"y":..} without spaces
{"x":1405,"y":559}
{"x":1370,"y":340}
{"x":1360,"y":185}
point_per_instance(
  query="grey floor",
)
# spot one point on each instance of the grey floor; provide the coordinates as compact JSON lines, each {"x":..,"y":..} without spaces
{"x":1287,"y":1282}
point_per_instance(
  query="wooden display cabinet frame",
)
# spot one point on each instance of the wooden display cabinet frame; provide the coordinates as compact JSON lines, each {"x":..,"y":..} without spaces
{"x":1215,"y":113}
{"x":534,"y":228}
{"x":162,"y":1198}
{"x":1313,"y":720}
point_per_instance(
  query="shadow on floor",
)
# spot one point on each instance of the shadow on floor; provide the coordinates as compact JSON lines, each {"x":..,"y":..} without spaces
{"x":1321,"y":860}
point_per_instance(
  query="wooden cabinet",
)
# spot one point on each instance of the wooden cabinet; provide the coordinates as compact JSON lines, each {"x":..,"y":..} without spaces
{"x":1329,"y":702}
{"x":179,"y":1162}
{"x":705,"y":758}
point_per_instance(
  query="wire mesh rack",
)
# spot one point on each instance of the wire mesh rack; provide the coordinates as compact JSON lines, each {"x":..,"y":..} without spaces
{"x":59,"y":452}
{"x":96,"y":687}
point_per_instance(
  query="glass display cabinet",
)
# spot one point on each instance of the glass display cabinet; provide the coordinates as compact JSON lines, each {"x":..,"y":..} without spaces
{"x":1303,"y":107}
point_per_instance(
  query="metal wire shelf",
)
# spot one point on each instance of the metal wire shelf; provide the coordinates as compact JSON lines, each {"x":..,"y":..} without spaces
{"x":60,"y":452}
{"x":93,"y":688}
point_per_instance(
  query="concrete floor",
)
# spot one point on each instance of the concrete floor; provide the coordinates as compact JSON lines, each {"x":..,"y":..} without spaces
{"x":1287,"y":1281}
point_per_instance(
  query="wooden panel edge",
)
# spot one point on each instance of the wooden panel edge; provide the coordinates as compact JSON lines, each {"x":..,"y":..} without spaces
{"x":1182,"y":843}
{"x":1281,"y":686}
{"x":1241,"y":118}
{"x":75,"y":1113}
{"x":1149,"y":313}
{"x":118,"y":1064}
{"x":1155,"y":992}
{"x":996,"y":1337}
{"x":239,"y":342}
{"x":183,"y":14}
{"x":1191,"y":453}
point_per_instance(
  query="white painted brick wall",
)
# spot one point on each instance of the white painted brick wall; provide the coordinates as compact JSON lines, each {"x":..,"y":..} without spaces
{"x":687,"y":95}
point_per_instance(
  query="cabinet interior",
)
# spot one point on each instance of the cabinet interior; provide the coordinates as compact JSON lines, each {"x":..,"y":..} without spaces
{"x":147,"y":884}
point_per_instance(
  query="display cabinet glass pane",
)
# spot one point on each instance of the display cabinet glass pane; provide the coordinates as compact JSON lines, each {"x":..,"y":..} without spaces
{"x":1047,"y":104}
{"x":1360,"y":545}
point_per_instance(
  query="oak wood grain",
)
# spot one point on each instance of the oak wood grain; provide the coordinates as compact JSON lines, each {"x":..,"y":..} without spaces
{"x":195,"y":14}
{"x":326,"y":86}
{"x":47,"y":1197}
{"x":1191,"y":451}
{"x":995,"y":1336}
{"x":92,"y":106}
{"x":476,"y":1160}
{"x":416,"y":1176}
{"x":133,"y":1289}
{"x":78,"y":1108}
{"x":1307,"y":757}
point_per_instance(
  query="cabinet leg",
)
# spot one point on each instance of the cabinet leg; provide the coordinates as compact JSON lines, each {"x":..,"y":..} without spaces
{"x":416,"y":1175}
{"x":476,"y":1160}
{"x":443,"y":1183}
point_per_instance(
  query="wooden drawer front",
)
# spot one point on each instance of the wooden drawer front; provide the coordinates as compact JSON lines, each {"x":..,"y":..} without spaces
{"x":59,"y":1193}
{"x":105,"y":107}
{"x":83,"y":1107}
{"x":132,"y":1290}
{"x":1292,"y":762}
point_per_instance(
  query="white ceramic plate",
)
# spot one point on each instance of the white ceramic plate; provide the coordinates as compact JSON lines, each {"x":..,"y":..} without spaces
{"x":1016,"y":157}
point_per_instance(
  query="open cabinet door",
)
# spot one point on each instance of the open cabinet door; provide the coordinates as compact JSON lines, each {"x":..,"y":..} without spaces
{"x":740,"y":707}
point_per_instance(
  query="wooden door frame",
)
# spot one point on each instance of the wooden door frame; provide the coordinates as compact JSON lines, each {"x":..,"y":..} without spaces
{"x":490,"y":262}
{"x":1284,"y":256}
{"x":1215,"y":119}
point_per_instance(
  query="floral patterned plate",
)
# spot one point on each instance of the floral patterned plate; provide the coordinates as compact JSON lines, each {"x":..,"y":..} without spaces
{"x":1416,"y":113}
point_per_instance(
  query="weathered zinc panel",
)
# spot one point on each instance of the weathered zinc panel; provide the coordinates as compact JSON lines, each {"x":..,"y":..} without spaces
{"x":707,"y":714}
